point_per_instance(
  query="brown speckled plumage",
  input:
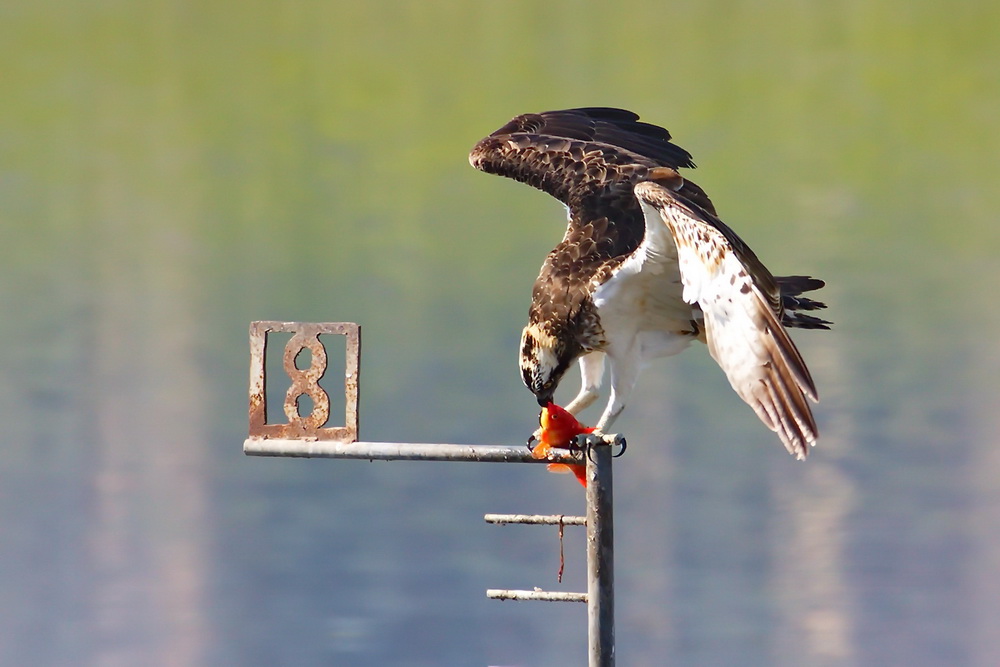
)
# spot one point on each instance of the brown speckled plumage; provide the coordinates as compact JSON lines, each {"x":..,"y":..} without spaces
{"x":591,"y":159}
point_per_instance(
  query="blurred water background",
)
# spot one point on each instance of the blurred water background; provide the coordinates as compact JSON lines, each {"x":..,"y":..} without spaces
{"x":170,"y":171}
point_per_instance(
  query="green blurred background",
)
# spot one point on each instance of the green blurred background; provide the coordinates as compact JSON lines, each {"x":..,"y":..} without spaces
{"x":170,"y":171}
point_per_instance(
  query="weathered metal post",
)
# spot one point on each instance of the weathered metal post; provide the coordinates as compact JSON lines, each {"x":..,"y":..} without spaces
{"x":308,"y":436}
{"x":600,"y":557}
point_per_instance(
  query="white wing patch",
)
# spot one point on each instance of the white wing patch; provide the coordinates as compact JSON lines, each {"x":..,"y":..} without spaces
{"x":744,"y":335}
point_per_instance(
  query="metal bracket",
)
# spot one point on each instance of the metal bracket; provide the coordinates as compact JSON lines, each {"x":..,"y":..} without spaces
{"x":304,"y":382}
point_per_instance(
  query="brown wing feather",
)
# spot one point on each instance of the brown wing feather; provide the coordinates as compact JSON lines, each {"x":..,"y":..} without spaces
{"x":578,"y":154}
{"x":603,"y":125}
{"x":590,"y":159}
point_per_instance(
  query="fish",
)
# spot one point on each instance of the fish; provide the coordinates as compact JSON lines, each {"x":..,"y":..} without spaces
{"x":558,"y":428}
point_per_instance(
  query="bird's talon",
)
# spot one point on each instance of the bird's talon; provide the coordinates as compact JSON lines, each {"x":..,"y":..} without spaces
{"x":620,"y":442}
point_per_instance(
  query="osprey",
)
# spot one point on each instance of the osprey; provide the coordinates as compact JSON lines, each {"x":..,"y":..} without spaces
{"x":646,"y":267}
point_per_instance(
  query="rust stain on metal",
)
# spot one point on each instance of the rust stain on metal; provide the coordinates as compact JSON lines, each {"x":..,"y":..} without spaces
{"x":304,"y":382}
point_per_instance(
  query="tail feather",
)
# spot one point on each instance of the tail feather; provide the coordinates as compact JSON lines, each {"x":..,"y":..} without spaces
{"x":796,"y":285}
{"x":792,"y":302}
{"x":802,"y":321}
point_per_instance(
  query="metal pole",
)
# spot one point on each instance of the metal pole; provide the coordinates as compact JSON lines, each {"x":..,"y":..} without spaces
{"x":400,"y":451}
{"x":600,"y":557}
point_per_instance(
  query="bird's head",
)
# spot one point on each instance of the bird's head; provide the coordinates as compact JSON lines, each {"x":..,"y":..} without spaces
{"x":544,"y":360}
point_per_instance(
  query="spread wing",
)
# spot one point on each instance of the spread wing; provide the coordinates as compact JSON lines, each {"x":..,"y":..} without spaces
{"x":589,"y":159}
{"x":742,"y":326}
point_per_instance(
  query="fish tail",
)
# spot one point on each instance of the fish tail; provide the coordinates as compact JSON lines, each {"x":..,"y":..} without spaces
{"x":580,"y":471}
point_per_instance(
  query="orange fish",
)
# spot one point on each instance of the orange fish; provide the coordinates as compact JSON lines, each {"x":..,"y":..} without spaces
{"x":559,"y":427}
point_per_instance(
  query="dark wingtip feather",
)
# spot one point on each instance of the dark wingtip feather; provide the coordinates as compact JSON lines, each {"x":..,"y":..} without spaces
{"x":605,"y":113}
{"x":796,"y":285}
{"x":802,"y":321}
{"x":792,"y":303}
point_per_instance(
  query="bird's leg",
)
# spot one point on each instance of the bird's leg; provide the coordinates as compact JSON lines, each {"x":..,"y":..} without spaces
{"x":591,"y":374}
{"x":624,"y":372}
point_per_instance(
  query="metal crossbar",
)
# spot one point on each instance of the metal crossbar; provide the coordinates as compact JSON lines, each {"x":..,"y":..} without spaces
{"x":308,"y":436}
{"x":400,"y":451}
{"x":544,"y":519}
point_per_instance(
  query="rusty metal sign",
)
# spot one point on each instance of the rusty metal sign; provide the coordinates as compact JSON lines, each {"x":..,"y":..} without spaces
{"x":304,"y":382}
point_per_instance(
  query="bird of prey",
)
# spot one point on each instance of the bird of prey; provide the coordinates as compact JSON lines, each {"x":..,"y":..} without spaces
{"x":645,"y":267}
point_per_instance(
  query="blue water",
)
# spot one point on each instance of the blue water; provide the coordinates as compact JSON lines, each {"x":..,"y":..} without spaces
{"x":170,"y":173}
